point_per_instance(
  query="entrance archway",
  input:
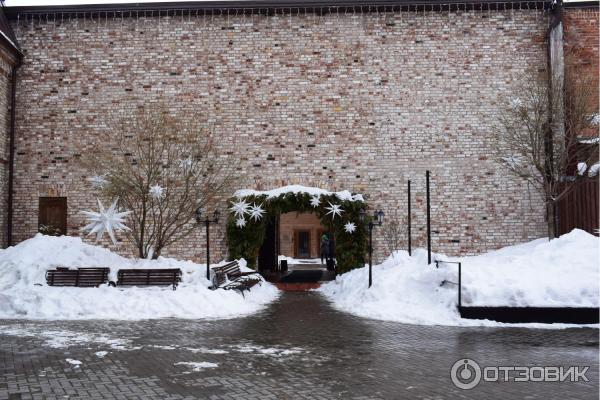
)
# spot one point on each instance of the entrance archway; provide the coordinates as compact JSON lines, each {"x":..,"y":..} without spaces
{"x":296,"y":238}
{"x":255,"y":219}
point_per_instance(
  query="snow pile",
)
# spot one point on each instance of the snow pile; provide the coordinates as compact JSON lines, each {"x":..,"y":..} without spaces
{"x":73,"y":362}
{"x":312,"y":191}
{"x":62,"y":339}
{"x":197,"y":366}
{"x":591,"y":171}
{"x":24,"y":294}
{"x":563,"y":272}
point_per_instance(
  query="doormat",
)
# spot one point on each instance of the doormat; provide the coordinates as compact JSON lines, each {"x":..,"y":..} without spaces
{"x":302,"y":276}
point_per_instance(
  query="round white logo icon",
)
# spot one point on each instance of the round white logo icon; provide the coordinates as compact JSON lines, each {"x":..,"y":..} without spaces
{"x":465,"y":374}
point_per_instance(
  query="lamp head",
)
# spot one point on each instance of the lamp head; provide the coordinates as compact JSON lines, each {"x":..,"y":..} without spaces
{"x":380,"y":215}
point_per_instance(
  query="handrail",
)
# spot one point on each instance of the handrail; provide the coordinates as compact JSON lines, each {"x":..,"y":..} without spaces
{"x":459,"y":278}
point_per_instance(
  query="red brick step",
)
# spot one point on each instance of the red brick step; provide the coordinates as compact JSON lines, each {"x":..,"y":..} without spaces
{"x":298,"y":287}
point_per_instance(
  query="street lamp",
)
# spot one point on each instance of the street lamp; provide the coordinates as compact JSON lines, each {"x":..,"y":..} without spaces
{"x":207,"y":222}
{"x":376,"y":220}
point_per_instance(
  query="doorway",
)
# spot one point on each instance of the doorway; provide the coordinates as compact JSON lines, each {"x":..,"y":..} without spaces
{"x":302,"y":241}
{"x":52,"y":215}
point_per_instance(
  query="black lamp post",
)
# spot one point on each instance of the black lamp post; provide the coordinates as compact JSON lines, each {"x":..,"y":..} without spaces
{"x":376,"y":220}
{"x":207,"y":222}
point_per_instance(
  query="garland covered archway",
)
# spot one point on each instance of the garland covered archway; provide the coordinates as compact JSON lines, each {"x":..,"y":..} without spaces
{"x":251,"y":211}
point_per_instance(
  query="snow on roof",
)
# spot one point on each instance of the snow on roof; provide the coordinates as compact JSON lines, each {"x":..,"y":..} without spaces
{"x":313,"y":191}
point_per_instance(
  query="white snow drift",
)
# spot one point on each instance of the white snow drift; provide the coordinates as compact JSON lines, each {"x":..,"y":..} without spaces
{"x":23,"y":267}
{"x":563,"y":272}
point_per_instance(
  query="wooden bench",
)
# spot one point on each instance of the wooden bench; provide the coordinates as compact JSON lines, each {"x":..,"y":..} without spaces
{"x":229,"y":276}
{"x":80,"y":277}
{"x":149,"y":277}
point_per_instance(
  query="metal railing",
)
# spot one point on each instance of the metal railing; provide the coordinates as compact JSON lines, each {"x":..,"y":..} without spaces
{"x":459,"y":278}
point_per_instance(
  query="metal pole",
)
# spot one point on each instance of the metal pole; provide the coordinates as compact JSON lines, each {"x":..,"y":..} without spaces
{"x":428,"y":220}
{"x":459,"y":286}
{"x":207,"y":223}
{"x":409,"y":222}
{"x":370,"y":254}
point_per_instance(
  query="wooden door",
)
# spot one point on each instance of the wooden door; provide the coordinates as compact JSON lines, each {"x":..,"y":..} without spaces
{"x":52,"y":216}
{"x":302,"y":244}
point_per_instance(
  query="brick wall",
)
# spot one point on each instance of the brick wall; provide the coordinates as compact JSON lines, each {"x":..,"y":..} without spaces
{"x":581,"y":27}
{"x":360,"y":102}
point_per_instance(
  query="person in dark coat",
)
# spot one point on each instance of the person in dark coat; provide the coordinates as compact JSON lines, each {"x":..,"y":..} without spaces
{"x":324,"y":247}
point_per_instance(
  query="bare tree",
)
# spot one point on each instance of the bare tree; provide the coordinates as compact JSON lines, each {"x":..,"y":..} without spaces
{"x":394,"y":231}
{"x":541,"y":143}
{"x":162,"y":169}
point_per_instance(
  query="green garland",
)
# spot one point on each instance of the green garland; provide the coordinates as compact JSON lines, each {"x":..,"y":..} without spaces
{"x":350,"y":248}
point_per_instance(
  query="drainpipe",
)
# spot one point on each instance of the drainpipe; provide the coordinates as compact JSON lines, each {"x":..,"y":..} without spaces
{"x":11,"y":151}
{"x":556,"y":76}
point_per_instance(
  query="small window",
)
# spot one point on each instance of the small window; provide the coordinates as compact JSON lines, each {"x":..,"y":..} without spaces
{"x":52,"y":219}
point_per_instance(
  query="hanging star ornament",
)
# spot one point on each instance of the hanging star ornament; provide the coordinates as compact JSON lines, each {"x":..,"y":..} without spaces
{"x":107,"y":221}
{"x":315,"y":201}
{"x":256,"y":212}
{"x":350,"y":227}
{"x":240,"y":208}
{"x":157,"y":192}
{"x":240,"y":222}
{"x":97,"y":181}
{"x":334,"y":209}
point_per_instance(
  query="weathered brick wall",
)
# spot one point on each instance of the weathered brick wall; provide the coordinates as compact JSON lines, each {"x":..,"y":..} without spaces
{"x":360,"y":102}
{"x":6,"y":63}
{"x":582,"y":55}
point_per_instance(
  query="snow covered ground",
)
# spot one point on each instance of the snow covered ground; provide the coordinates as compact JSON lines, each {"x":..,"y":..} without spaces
{"x":292,"y":261}
{"x":560,"y":273}
{"x":23,"y":266}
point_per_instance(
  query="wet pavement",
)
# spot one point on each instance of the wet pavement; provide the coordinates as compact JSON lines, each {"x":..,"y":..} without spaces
{"x":297,"y":348}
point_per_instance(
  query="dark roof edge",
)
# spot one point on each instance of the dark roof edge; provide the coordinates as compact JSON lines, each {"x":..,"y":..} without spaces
{"x":7,"y":36}
{"x":254,"y":4}
{"x":582,"y":4}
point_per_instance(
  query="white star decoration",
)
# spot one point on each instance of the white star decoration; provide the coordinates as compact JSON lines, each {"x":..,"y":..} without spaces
{"x":315,"y":201}
{"x":350,"y":227}
{"x":240,"y":208}
{"x":256,"y":212}
{"x":240,"y":222}
{"x":107,"y":221}
{"x":334,"y":209}
{"x":186,"y":163}
{"x":157,"y":192}
{"x":97,"y":181}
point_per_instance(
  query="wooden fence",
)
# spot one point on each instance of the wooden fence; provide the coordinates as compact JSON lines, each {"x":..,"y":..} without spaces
{"x":579,"y":208}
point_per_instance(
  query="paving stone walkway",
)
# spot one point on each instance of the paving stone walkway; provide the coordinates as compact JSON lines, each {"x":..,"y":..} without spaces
{"x":298,"y":348}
